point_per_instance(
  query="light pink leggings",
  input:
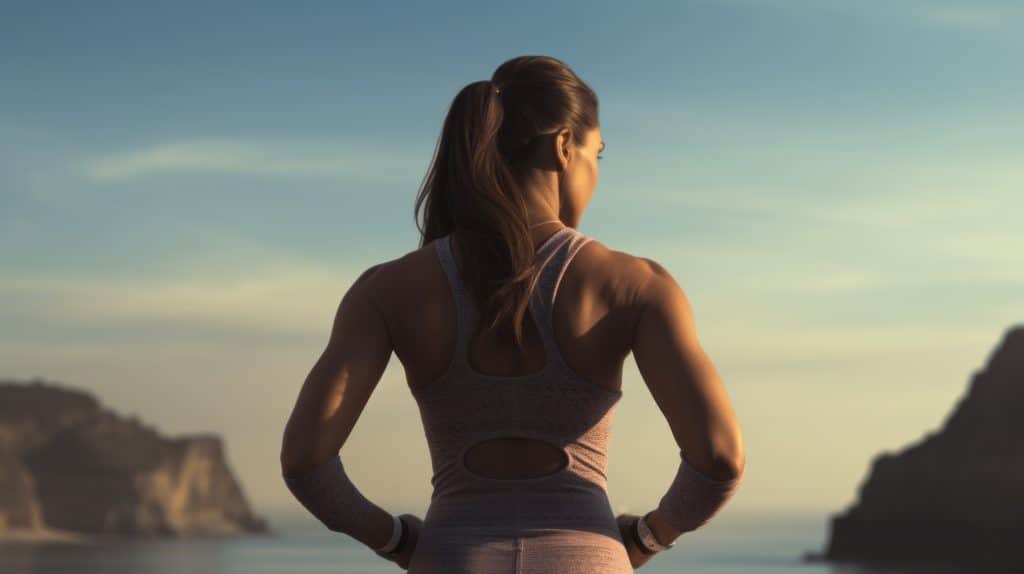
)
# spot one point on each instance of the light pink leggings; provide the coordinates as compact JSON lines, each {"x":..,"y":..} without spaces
{"x":514,"y":533}
{"x":444,"y":551}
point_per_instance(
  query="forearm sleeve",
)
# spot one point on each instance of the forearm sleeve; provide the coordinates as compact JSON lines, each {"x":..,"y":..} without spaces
{"x":694,"y":497}
{"x":328,"y":494}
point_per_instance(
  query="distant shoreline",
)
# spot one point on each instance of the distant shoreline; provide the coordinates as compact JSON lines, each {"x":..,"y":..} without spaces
{"x":47,"y":535}
{"x":57,"y":536}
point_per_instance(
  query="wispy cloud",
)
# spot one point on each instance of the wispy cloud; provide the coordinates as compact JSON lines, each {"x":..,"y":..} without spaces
{"x":979,"y":14}
{"x":328,"y":158}
{"x":284,"y":299}
{"x":963,"y":15}
{"x":887,"y":200}
{"x":806,"y":342}
{"x":850,"y":280}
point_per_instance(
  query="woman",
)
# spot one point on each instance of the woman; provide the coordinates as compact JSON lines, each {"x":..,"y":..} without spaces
{"x":516,"y":388}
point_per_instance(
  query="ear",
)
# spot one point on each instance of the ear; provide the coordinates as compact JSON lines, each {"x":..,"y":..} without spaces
{"x":563,"y":147}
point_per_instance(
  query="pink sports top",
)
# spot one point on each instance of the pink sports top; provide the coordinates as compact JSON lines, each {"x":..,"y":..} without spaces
{"x":464,"y":407}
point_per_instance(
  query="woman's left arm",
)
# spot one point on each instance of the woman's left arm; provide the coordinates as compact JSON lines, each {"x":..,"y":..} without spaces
{"x":328,"y":406}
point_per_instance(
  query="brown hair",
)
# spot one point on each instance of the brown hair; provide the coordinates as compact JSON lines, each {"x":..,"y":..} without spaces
{"x":475,"y":180}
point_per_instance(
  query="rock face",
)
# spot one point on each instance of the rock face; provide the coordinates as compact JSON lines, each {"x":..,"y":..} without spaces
{"x":68,"y":464}
{"x":955,"y":498}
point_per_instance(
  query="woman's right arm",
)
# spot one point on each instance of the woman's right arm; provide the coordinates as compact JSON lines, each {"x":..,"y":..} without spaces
{"x":689,"y":392}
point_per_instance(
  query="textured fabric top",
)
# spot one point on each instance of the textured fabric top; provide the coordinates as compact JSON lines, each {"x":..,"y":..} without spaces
{"x":464,"y":407}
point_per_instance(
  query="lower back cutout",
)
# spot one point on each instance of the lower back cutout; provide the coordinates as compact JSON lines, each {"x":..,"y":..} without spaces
{"x":515,"y":458}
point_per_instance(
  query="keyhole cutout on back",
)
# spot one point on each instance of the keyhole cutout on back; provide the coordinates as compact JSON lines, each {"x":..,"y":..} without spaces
{"x":515,"y":458}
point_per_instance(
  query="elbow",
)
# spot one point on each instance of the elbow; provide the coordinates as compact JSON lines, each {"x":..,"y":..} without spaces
{"x":714,"y":466}
{"x":301,"y":461}
{"x":725,"y":462}
{"x":732,"y":468}
{"x":288,"y":463}
{"x":295,"y":463}
{"x":730,"y":459}
{"x":724,"y":469}
{"x":730,"y":465}
{"x":298,"y":453}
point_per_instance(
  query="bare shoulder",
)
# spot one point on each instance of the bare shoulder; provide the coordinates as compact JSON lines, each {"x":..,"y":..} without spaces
{"x":391,"y":280}
{"x":659,"y":293}
{"x":640,"y":284}
{"x":653,"y":281}
{"x":636,"y":277}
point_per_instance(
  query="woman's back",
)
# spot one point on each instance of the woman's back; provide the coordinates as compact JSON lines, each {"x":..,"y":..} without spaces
{"x":519,"y":456}
{"x":593,"y":317}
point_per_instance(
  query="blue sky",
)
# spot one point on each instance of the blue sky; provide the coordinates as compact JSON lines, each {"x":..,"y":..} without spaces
{"x":187,"y":190}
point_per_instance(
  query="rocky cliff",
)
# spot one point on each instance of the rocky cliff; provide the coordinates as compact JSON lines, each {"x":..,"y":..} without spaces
{"x":956,"y":497}
{"x":68,"y":464}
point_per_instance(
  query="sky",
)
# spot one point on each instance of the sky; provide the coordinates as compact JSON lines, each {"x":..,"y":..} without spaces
{"x":188,"y":189}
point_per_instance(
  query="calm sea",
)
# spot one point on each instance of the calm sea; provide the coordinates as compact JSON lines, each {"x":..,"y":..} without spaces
{"x":765,"y":544}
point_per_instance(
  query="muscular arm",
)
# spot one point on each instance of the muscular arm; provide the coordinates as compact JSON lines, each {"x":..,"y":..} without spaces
{"x":689,"y":392}
{"x":330,"y":402}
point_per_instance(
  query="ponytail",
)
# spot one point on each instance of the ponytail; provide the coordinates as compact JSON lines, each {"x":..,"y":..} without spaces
{"x":474,"y":189}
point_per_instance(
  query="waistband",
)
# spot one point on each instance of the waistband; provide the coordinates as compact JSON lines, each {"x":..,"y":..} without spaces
{"x":520,"y":513}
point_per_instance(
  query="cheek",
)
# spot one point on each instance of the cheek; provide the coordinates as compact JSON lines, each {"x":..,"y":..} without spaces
{"x":584,"y":182}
